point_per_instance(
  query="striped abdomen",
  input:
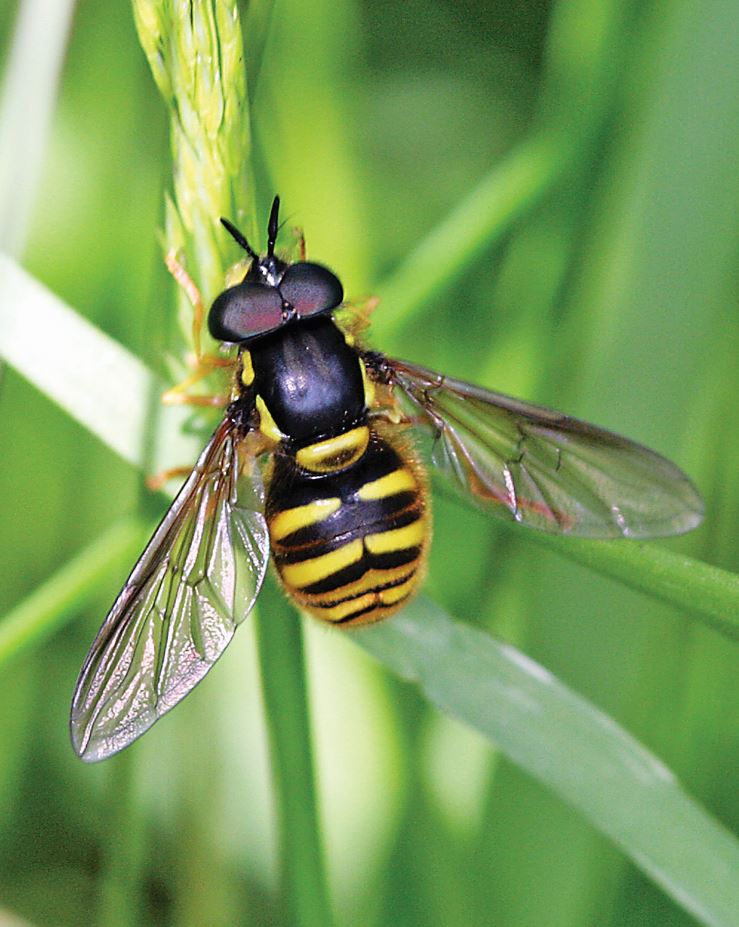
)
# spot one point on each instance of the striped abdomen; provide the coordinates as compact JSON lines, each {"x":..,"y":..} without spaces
{"x":350,"y":545}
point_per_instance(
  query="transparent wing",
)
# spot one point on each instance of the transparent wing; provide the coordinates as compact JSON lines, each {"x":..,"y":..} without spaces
{"x":196,"y":581}
{"x":546,"y":470}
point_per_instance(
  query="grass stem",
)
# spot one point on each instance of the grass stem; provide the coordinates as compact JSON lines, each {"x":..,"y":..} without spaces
{"x":281,"y":659}
{"x":709,"y":592}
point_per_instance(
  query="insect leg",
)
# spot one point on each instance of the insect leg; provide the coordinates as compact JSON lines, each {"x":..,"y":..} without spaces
{"x":204,"y":363}
{"x":193,"y":294}
{"x":394,"y":417}
{"x":156,"y":481}
{"x":175,"y":397}
{"x":178,"y":395}
{"x":302,"y":250}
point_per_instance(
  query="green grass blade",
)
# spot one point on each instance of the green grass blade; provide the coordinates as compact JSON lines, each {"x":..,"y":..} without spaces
{"x":511,"y":189}
{"x":282,"y":668}
{"x":573,"y":748}
{"x":583,"y":39}
{"x":65,"y":593}
{"x":71,"y":361}
{"x":711,"y":593}
{"x":92,"y":377}
{"x":27,"y":99}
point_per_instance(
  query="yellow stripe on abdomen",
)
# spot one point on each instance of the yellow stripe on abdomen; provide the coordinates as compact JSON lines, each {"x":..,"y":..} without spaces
{"x":372,"y":603}
{"x":396,"y":593}
{"x":302,"y":516}
{"x":344,"y":610}
{"x":350,"y":544}
{"x":308,"y":572}
{"x":384,"y":542}
{"x":371,"y":579}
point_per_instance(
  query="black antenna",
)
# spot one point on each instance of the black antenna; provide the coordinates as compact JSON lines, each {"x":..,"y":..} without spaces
{"x":272,"y":227}
{"x":239,"y":238}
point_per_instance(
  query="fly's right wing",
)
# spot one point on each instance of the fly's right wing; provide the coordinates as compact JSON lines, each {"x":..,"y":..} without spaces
{"x":543,"y":469}
{"x":197,"y":579}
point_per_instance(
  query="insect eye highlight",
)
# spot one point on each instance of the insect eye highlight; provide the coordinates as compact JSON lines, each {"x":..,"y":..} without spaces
{"x":245,"y":311}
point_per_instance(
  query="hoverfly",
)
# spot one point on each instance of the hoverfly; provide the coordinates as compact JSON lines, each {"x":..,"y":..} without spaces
{"x":346,"y":511}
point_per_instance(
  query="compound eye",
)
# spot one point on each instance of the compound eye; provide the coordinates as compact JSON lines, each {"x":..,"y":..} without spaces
{"x":245,"y":311}
{"x":311,"y":288}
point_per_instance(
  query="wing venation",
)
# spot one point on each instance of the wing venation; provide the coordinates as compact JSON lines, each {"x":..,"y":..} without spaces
{"x":544,"y":469}
{"x":197,"y":579}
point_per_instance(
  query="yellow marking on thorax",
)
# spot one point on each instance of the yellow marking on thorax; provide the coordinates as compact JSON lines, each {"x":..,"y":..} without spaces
{"x":368,"y":384}
{"x":247,"y":371}
{"x":334,"y":453}
{"x":302,"y":516}
{"x":267,"y":424}
{"x":317,"y":568}
{"x":389,"y":485}
{"x":397,"y":538}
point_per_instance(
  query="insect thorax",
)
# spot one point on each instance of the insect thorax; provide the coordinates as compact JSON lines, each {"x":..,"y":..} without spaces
{"x":309,"y":381}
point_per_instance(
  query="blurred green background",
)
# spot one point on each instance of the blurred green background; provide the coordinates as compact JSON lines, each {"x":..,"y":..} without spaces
{"x":611,"y":294}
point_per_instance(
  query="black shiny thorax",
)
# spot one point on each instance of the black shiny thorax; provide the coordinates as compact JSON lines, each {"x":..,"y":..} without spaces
{"x":310,"y":380}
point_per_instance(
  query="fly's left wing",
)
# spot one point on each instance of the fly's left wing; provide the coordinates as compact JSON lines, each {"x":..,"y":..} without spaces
{"x":544,"y":469}
{"x":196,"y":581}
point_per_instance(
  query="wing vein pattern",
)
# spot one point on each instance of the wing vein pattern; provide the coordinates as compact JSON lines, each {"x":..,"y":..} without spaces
{"x":543,"y":469}
{"x":197,"y":579}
